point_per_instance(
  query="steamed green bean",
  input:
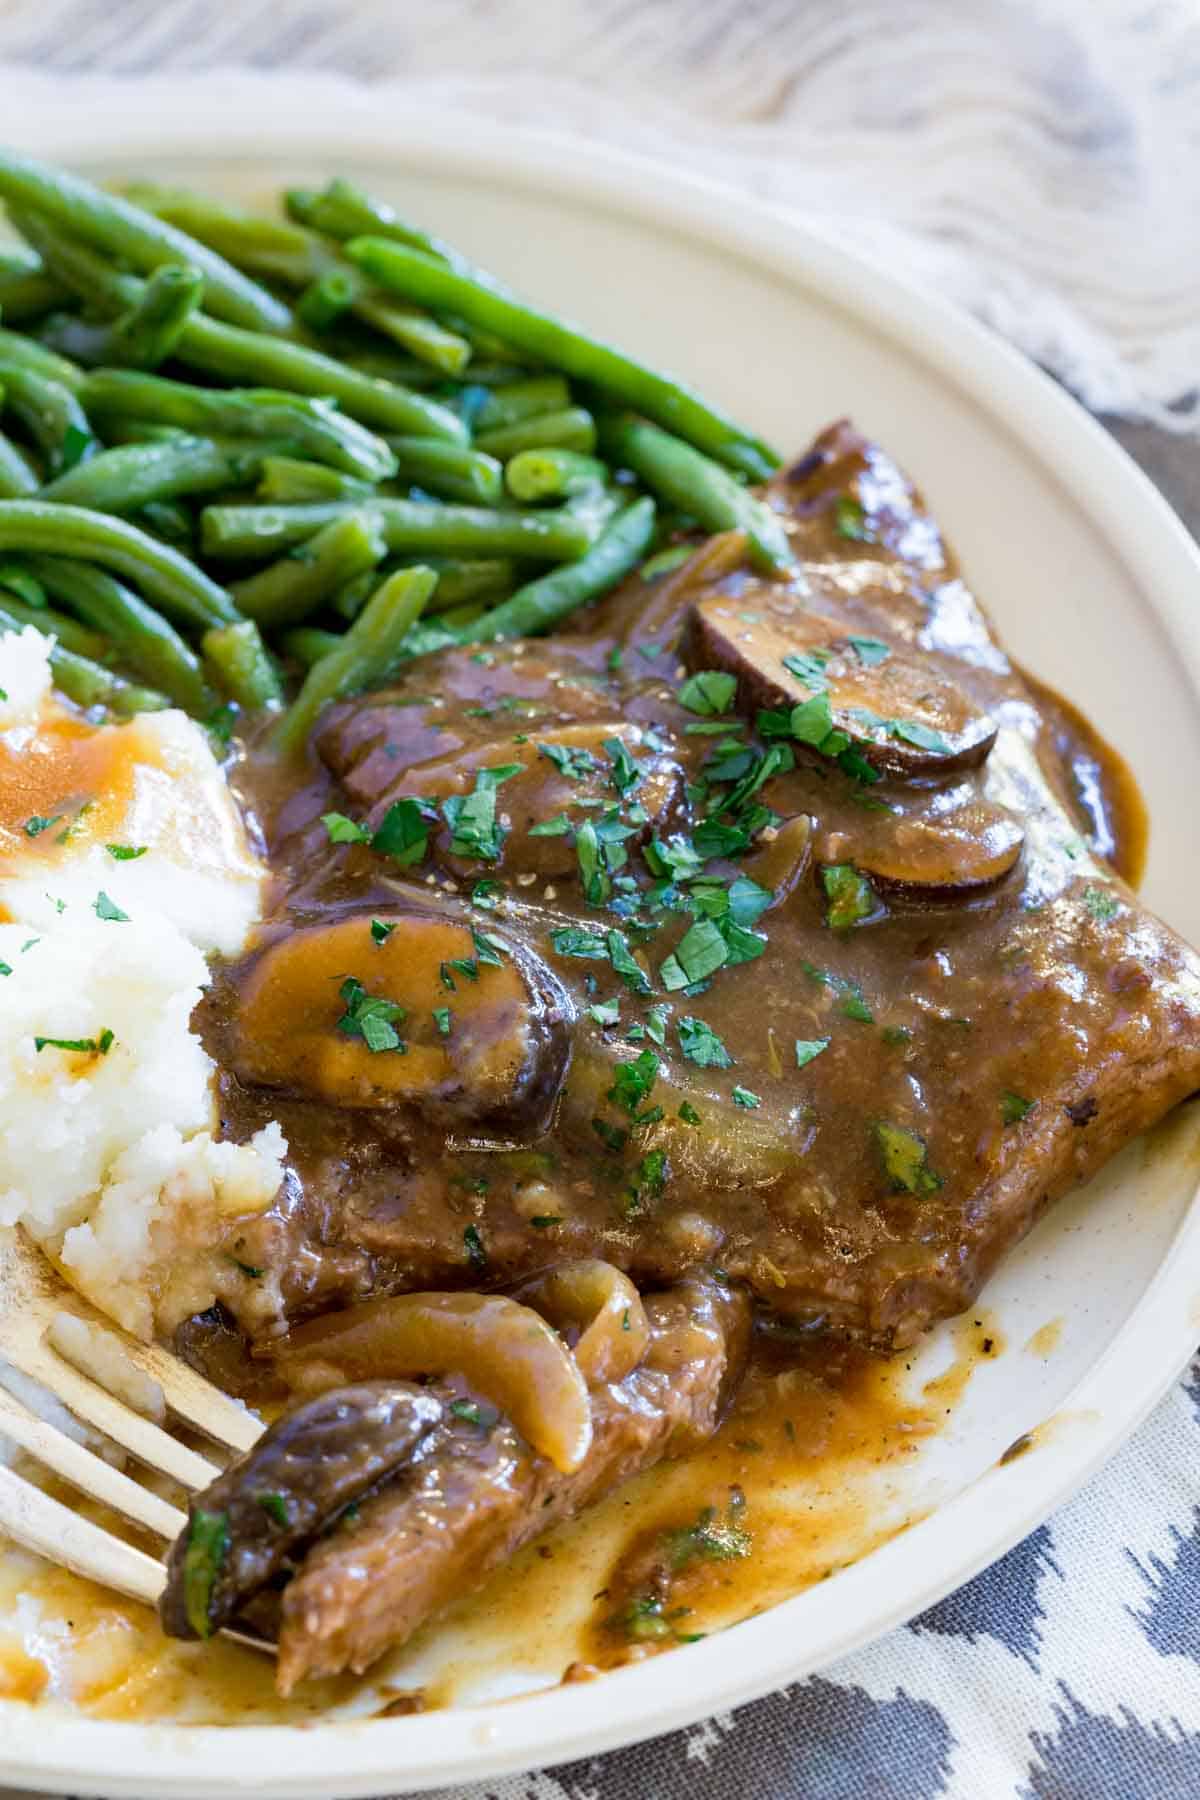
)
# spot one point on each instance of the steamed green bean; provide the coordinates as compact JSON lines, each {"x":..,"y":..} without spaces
{"x":544,"y":603}
{"x":17,"y":479}
{"x":551,"y":474}
{"x":145,"y":642}
{"x":240,"y":661}
{"x":130,"y":476}
{"x":149,"y":332}
{"x":449,"y":469}
{"x":422,"y":278}
{"x":125,"y":232}
{"x":287,"y":591}
{"x":571,"y":429}
{"x":291,"y":481}
{"x":407,"y":525}
{"x":51,"y":415}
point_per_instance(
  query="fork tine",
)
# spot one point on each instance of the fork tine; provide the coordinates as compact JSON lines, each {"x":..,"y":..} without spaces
{"x":88,"y":1402}
{"x":41,"y":1524}
{"x":195,"y":1400}
{"x":86,"y":1471}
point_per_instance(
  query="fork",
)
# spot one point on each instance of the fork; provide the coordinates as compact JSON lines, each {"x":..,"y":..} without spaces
{"x":31,"y":1297}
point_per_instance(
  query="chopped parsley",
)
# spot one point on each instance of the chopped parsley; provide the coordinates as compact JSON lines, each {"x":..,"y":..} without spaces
{"x":850,"y":896}
{"x":626,"y":772}
{"x":126,"y":852}
{"x":35,"y":825}
{"x":485,"y":894}
{"x":1014,"y":1107}
{"x":611,"y":1136}
{"x":632,"y":1082}
{"x":743,"y":1097}
{"x":605,"y":1012}
{"x":1100,"y":903}
{"x":403,"y":832}
{"x":688,"y":1113}
{"x":370,"y":1017}
{"x":649,"y":1181}
{"x":904,"y":1155}
{"x":701,"y":1045}
{"x":850,"y":521}
{"x":381,"y":931}
{"x":473,"y":1244}
{"x":556,"y":827}
{"x":850,"y":996}
{"x":911,"y":731}
{"x":700,"y":952}
{"x":869,"y":651}
{"x":574,"y":940}
{"x":275,"y":1506}
{"x":808,"y":1049}
{"x":441,"y":1018}
{"x":575,"y":764}
{"x":625,"y":963}
{"x":543,"y":1221}
{"x":475,"y":831}
{"x":104,"y":908}
{"x":207,"y":1547}
{"x":675,"y":857}
{"x":707,"y":692}
{"x":97,"y":1046}
{"x":710,"y":1539}
{"x":342,"y":830}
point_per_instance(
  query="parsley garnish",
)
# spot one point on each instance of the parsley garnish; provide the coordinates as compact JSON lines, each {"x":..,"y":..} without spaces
{"x":275,"y":1506}
{"x":707,"y":692}
{"x":403,"y":832}
{"x":441,"y":1018}
{"x":701,"y":1045}
{"x":700,"y":952}
{"x":605,"y":1012}
{"x":904,"y":1159}
{"x":475,"y":830}
{"x":381,"y":931}
{"x":911,"y":731}
{"x":1014,"y":1107}
{"x":850,"y":521}
{"x":476,"y":1254}
{"x":850,"y":895}
{"x":625,"y":963}
{"x":611,"y":1136}
{"x":572,"y":763}
{"x":543,"y":1221}
{"x":649,"y":1180}
{"x":35,"y":825}
{"x":370,"y":1017}
{"x":1100,"y":903}
{"x":342,"y":830}
{"x":688,"y":1113}
{"x":126,"y":852}
{"x":850,"y":995}
{"x":626,"y":773}
{"x":97,"y":1046}
{"x":632,"y":1082}
{"x":104,"y":908}
{"x":573,"y":940}
{"x":556,"y":827}
{"x":743,"y":1097}
{"x":809,"y":1048}
{"x":869,"y":651}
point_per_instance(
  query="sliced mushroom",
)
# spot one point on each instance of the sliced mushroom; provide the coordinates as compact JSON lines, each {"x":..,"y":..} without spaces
{"x":955,"y":846}
{"x":244,"y":1528}
{"x":903,"y":717}
{"x":600,"y":1304}
{"x":505,"y":1350}
{"x":388,"y":1009}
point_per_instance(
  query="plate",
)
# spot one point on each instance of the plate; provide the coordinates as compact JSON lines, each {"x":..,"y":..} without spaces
{"x":1093,"y":582}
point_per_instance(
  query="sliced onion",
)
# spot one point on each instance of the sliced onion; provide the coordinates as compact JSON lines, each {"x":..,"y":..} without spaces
{"x":602,"y":1304}
{"x":505,"y":1350}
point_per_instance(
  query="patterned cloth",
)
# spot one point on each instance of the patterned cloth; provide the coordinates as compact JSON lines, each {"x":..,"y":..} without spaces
{"x":1071,"y":1669}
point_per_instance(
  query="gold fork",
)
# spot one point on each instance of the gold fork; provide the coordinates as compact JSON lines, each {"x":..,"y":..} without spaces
{"x":32,"y":1302}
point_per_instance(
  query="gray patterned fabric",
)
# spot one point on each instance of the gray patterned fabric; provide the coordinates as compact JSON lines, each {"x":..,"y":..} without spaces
{"x":1071,"y":1669}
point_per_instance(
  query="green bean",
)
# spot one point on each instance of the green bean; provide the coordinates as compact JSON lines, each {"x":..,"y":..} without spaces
{"x":685,"y":478}
{"x":325,"y":433}
{"x":540,"y":605}
{"x":459,"y":582}
{"x":136,"y":238}
{"x":71,"y":635}
{"x":239,"y":659}
{"x":50,"y":414}
{"x":547,"y":474}
{"x":277,"y":251}
{"x":416,"y":276}
{"x":17,"y":479}
{"x":449,"y":469}
{"x":27,"y":292}
{"x":345,"y":211}
{"x":17,"y":578}
{"x":308,"y":643}
{"x":524,"y":399}
{"x":84,"y":680}
{"x":150,"y":331}
{"x":169,"y":520}
{"x":21,"y":352}
{"x":178,"y":585}
{"x":288,"y":481}
{"x":233,"y":354}
{"x":366,"y":653}
{"x":144,"y":641}
{"x":457,"y":618}
{"x":572,"y":429}
{"x":124,"y":479}
{"x":289,"y":590}
{"x":408,"y":525}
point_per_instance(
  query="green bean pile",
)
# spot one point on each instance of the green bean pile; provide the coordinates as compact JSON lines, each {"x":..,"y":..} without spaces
{"x":249,"y":465}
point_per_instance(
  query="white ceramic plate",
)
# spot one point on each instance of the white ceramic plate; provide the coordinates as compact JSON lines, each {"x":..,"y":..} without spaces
{"x":1096,"y":586}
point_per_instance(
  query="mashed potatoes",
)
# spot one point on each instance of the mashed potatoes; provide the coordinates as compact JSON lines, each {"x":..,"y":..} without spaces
{"x":122,"y":863}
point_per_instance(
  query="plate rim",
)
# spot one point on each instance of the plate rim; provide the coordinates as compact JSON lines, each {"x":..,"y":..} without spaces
{"x":259,"y":116}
